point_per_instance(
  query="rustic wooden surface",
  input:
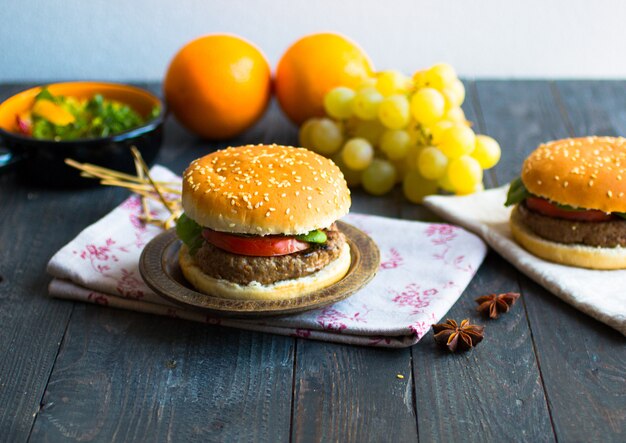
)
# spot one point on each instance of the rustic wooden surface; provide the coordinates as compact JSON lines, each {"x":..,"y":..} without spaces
{"x":76,"y":372}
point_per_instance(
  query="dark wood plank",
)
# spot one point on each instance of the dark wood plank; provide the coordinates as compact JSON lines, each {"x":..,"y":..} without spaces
{"x":582,"y":371}
{"x":592,"y":107}
{"x":36,"y":222}
{"x":493,"y":392}
{"x":237,"y":384}
{"x":347,"y":393}
{"x":122,"y":376}
{"x":459,"y":396}
{"x":520,"y":115}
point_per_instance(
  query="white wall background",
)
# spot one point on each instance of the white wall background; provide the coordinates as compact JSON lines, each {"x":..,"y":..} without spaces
{"x":134,"y":39}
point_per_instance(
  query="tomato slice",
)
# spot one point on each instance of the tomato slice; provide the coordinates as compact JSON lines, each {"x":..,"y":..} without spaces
{"x":266,"y":246}
{"x":544,"y":207}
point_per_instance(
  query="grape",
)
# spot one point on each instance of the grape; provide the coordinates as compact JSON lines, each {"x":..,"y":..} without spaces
{"x":455,"y":115}
{"x":437,"y":130}
{"x":427,"y":105}
{"x":369,"y":82}
{"x":419,"y":79}
{"x":370,"y":130}
{"x":464,"y":174}
{"x":304,"y":136}
{"x":402,"y":167}
{"x":444,"y":183}
{"x":416,"y":187}
{"x":440,"y":76}
{"x":395,"y":143}
{"x":432,"y":163}
{"x":487,"y":151}
{"x":454,"y":94}
{"x":325,"y":136}
{"x":478,"y":188}
{"x":457,"y":140}
{"x":392,"y":82}
{"x":379,"y":177}
{"x":338,"y":102}
{"x":393,"y":111}
{"x":366,"y":102}
{"x":412,"y":156}
{"x":357,"y":153}
{"x":353,"y":178}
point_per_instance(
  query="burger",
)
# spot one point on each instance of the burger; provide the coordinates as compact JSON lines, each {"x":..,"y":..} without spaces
{"x":570,"y":204}
{"x":259,"y":223}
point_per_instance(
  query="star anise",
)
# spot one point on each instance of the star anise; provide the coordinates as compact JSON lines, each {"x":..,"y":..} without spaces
{"x":493,"y":305}
{"x":456,"y":337}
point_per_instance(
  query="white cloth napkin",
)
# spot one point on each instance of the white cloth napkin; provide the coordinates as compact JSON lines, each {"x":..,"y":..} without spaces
{"x":600,"y":294}
{"x":424,"y":269}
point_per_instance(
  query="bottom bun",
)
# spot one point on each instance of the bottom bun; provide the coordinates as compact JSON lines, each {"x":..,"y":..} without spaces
{"x":581,"y":256}
{"x":282,"y":290}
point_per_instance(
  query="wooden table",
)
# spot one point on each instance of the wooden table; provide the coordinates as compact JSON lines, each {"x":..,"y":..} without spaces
{"x":77,"y":372}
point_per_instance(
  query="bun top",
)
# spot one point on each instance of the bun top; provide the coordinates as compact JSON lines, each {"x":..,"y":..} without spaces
{"x":264,"y":189}
{"x":587,"y":172}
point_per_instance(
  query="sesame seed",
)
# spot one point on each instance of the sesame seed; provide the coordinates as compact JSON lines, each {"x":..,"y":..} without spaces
{"x":609,"y":193}
{"x":267,"y":214}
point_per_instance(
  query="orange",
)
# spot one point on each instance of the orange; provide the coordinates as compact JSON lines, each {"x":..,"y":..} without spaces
{"x":314,"y":65}
{"x":218,"y":85}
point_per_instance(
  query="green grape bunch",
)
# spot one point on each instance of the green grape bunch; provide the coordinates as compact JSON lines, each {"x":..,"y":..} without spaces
{"x":399,"y":129}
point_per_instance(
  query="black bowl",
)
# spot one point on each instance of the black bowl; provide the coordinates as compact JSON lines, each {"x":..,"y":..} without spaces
{"x":42,"y":162}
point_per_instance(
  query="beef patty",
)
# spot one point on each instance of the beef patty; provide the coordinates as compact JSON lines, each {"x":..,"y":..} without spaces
{"x":606,"y":234}
{"x":243,"y":269}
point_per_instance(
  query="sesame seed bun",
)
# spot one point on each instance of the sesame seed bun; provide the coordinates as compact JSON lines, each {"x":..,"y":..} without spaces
{"x":587,"y":172}
{"x":264,"y":189}
{"x":567,"y":254}
{"x":281,"y":290}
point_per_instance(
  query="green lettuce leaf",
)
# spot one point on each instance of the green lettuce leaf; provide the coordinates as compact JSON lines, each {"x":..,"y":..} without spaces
{"x":189,"y":232}
{"x":316,"y":236}
{"x":517,"y":192}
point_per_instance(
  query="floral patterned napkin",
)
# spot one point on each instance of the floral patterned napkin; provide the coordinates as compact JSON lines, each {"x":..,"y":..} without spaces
{"x":424,"y":269}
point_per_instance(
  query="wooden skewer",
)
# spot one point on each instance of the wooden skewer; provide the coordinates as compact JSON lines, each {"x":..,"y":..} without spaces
{"x":136,"y":186}
{"x":143,"y":184}
{"x":99,"y":170}
{"x":89,"y":170}
{"x":144,"y":201}
{"x":137,"y":156}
